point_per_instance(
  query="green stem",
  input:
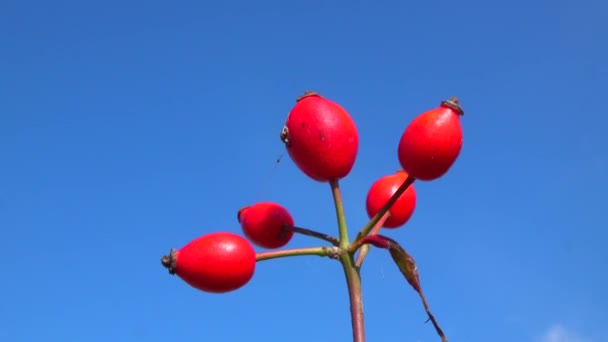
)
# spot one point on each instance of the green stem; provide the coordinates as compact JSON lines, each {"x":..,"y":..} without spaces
{"x":320,"y":251}
{"x":312,"y":233}
{"x":351,"y":273}
{"x":370,"y":225}
{"x":365,"y":248}
{"x":356,"y":245}
{"x":353,"y":281}
{"x":343,"y":230}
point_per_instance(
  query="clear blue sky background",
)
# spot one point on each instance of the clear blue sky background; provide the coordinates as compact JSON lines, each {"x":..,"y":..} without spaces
{"x":128,"y":128}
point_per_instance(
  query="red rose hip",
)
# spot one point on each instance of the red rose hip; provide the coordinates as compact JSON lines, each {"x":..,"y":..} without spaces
{"x":432,"y":142}
{"x":263,"y":224}
{"x":321,"y":138}
{"x":217,"y":262}
{"x":382,"y":190}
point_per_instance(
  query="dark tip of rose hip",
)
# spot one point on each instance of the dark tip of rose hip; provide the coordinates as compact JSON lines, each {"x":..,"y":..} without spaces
{"x":284,"y":232}
{"x":306,"y":94}
{"x":285,"y":135}
{"x":169,"y":261}
{"x":240,"y":212}
{"x":453,"y":103}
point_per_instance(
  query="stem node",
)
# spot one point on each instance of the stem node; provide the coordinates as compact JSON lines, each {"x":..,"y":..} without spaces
{"x":351,"y":273}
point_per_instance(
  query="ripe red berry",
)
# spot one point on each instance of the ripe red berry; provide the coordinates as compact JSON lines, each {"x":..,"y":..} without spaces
{"x":263,"y":224}
{"x":217,"y":262}
{"x":431,"y":143}
{"x":382,"y":190}
{"x":321,"y":138}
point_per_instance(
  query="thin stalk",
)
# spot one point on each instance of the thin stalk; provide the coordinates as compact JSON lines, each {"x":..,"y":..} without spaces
{"x":370,"y":225}
{"x":353,"y":278}
{"x":353,"y":281}
{"x":320,"y":251}
{"x":312,"y":233}
{"x":343,"y":230}
{"x":356,"y":245}
{"x":365,"y":248}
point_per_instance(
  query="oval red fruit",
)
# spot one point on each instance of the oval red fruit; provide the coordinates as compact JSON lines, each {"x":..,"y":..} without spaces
{"x":217,"y":262}
{"x":382,"y":190}
{"x":263,"y":224}
{"x":321,"y":138}
{"x":432,"y":142}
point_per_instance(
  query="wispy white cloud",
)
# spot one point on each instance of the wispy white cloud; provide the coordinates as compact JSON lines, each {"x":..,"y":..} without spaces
{"x":558,"y":333}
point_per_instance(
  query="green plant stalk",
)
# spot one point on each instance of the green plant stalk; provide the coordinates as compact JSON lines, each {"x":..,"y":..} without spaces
{"x":312,"y":233}
{"x":351,"y":273}
{"x":365,"y":248}
{"x":356,"y":245}
{"x":370,"y":225}
{"x":343,"y":230}
{"x":353,"y":281}
{"x":320,"y":251}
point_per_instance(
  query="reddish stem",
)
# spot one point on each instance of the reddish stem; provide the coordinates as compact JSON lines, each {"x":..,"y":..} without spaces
{"x":309,"y":232}
{"x":365,"y":248}
{"x":387,"y":206}
{"x":353,"y":281}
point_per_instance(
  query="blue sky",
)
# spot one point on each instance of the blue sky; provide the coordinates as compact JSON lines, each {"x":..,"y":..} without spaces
{"x":128,"y":128}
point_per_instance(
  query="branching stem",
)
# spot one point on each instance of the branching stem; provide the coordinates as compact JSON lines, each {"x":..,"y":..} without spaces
{"x":320,"y":251}
{"x":309,"y":232}
{"x":370,"y":225}
{"x":365,"y":248}
{"x":351,"y":273}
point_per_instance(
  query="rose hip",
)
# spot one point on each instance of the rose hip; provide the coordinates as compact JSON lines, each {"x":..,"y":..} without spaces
{"x":217,"y":262}
{"x":432,"y":142}
{"x":321,"y":138}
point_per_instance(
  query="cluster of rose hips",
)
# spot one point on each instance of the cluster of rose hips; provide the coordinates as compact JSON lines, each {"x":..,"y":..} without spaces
{"x":322,"y":140}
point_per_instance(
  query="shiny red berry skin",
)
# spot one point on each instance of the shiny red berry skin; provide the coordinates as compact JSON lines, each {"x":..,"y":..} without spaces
{"x":432,"y":142}
{"x":321,"y":138}
{"x":216,"y":263}
{"x":382,"y":190}
{"x":263,"y":224}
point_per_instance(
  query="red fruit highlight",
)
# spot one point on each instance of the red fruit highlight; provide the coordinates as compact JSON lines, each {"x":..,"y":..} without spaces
{"x":321,"y":138}
{"x":263,"y":224}
{"x":382,"y":190}
{"x":432,"y":142}
{"x":217,"y":262}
